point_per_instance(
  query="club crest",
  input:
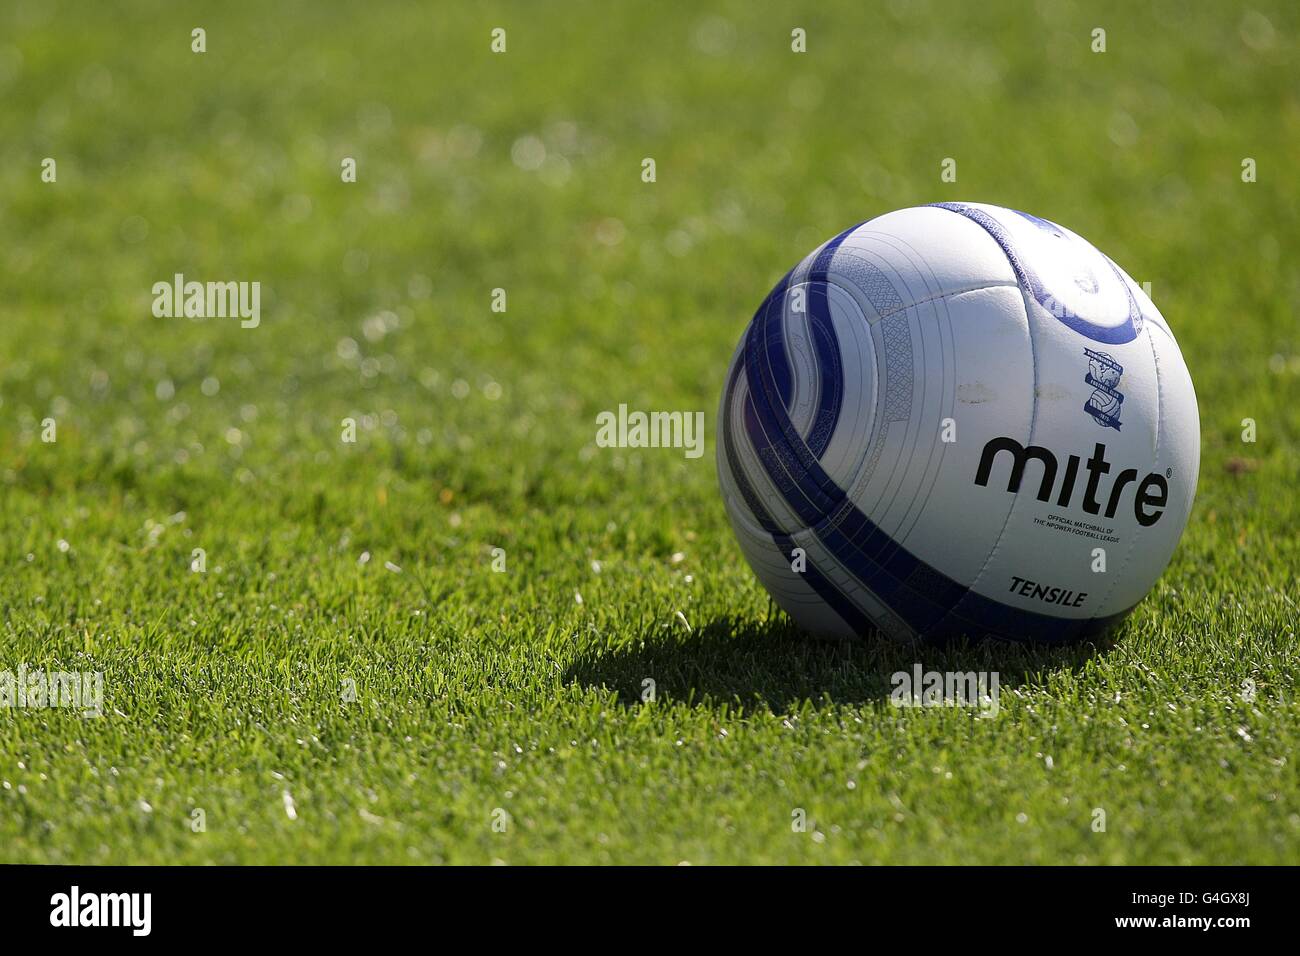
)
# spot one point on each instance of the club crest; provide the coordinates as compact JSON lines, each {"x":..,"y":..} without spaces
{"x":1103,"y":375}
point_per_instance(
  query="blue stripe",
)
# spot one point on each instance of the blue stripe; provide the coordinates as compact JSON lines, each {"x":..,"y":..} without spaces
{"x":848,"y":611}
{"x":826,"y":346}
{"x":1031,"y":283}
{"x":773,"y":333}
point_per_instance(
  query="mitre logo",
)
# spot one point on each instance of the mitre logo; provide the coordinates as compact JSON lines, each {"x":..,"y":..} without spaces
{"x":1149,"y":499}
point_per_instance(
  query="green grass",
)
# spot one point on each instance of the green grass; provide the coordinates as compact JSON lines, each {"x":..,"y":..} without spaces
{"x":479,"y":690}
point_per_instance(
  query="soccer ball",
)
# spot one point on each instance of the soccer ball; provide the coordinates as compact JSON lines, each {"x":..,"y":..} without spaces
{"x":958,"y":419}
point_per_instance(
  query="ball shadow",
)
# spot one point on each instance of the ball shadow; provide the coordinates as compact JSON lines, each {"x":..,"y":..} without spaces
{"x":774,"y":665}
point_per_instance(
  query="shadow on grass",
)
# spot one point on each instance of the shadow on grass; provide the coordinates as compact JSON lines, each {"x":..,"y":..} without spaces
{"x":773,"y":664}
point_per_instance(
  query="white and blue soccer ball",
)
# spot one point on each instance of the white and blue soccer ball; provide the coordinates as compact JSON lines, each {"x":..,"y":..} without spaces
{"x":958,"y":420}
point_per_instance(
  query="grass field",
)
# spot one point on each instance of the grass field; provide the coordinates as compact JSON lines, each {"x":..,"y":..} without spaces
{"x":498,"y":715}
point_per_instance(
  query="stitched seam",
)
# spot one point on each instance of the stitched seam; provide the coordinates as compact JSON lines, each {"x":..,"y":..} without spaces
{"x":1033,"y":422}
{"x":1033,"y":418}
{"x":1160,"y":407}
{"x":949,"y":295}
